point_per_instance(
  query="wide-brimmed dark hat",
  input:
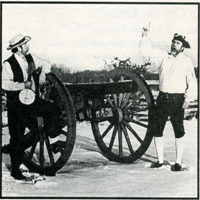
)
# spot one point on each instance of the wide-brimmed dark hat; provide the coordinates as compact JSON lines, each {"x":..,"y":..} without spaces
{"x":18,"y":40}
{"x":182,"y":39}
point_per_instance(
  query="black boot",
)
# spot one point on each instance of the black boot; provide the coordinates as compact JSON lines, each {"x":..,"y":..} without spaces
{"x":17,"y":174}
{"x":16,"y":157}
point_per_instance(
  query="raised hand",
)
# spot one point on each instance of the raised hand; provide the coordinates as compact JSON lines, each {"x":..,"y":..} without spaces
{"x":145,"y":30}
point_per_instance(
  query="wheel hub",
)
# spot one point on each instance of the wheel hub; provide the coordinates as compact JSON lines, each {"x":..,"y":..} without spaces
{"x":117,"y":115}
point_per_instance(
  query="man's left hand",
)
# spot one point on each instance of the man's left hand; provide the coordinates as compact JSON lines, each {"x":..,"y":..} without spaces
{"x":186,"y":105}
{"x":42,"y":79}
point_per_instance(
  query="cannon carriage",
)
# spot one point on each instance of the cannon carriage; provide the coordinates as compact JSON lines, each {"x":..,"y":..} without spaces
{"x":120,"y":112}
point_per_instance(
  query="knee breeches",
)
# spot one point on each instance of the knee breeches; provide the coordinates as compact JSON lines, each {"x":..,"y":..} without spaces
{"x":169,"y":105}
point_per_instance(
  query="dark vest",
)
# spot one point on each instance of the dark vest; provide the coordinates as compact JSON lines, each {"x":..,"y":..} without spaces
{"x":13,"y":96}
{"x":17,"y":71}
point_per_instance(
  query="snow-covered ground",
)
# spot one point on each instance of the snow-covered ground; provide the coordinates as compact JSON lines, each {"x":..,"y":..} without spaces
{"x":89,"y":174}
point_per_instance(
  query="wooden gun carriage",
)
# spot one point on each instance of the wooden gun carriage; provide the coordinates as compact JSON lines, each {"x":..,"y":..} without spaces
{"x":120,"y":112}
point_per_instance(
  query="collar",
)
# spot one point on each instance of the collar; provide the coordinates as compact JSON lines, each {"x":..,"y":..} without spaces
{"x":17,"y":56}
{"x":179,"y":56}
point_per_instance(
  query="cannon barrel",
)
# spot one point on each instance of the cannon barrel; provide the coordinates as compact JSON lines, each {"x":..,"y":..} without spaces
{"x":102,"y":88}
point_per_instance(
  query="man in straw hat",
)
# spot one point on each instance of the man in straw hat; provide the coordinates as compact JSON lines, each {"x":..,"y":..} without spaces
{"x":20,"y":116}
{"x":177,"y":87}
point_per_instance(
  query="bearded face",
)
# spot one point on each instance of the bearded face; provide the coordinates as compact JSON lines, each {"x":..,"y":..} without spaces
{"x":24,"y":49}
{"x":176,"y":47}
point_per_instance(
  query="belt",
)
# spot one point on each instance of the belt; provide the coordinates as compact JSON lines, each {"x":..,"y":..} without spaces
{"x":171,"y":95}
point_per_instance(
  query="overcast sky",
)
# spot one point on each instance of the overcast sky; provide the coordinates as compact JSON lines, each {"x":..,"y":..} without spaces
{"x":82,"y":36}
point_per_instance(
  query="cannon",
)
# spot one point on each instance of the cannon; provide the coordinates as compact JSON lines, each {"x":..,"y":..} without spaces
{"x":121,"y":113}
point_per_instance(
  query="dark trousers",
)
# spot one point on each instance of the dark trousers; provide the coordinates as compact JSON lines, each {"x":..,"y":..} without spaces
{"x":169,"y":105}
{"x":17,"y":123}
{"x":21,"y":116}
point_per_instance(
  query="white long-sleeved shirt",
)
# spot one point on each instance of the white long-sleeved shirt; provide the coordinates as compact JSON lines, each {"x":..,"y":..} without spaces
{"x":176,"y":74}
{"x":7,"y":73}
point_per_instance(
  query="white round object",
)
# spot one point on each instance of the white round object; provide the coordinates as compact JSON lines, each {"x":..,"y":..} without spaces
{"x":27,"y":96}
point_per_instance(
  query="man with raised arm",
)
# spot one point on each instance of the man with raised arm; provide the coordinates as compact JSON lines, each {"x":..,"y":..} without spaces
{"x":177,"y":88}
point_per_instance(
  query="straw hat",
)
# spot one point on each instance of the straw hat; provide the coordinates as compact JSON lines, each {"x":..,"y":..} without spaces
{"x":18,"y":40}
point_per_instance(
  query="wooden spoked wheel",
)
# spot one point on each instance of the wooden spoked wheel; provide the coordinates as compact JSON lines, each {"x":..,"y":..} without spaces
{"x":122,"y":126}
{"x":49,"y":153}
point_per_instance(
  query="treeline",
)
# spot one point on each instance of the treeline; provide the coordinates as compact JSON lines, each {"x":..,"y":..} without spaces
{"x":89,"y":76}
{"x":86,"y":76}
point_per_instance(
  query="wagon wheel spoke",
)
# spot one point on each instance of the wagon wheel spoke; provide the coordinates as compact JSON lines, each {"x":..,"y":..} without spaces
{"x":64,"y":133}
{"x":125,"y":99}
{"x":109,"y":101}
{"x":135,"y":121}
{"x":112,"y":138}
{"x":49,"y":88}
{"x":114,"y":95}
{"x":115,"y":99}
{"x":141,"y":109}
{"x":132,"y":101}
{"x":127,"y":139}
{"x":129,"y":105}
{"x":32,"y":151}
{"x":120,"y":140}
{"x":106,"y":131}
{"x":133,"y":132}
{"x":121,"y":95}
{"x":41,"y":150}
{"x":49,"y":150}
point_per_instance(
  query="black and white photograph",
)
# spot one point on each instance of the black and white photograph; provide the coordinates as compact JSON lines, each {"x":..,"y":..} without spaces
{"x":99,"y":100}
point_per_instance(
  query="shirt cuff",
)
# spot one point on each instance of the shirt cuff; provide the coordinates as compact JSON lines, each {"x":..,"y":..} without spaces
{"x":21,"y":86}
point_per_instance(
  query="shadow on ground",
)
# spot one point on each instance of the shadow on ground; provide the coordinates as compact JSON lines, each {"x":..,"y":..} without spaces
{"x":87,"y":155}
